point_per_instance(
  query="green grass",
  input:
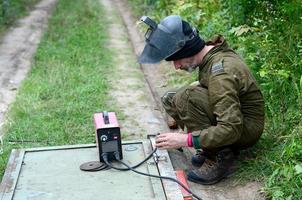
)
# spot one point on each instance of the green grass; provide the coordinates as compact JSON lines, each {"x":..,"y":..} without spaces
{"x":277,"y":162}
{"x":67,"y":83}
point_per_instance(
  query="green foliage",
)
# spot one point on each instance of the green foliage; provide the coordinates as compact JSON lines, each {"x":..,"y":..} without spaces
{"x":267,"y":34}
{"x":10,"y":10}
{"x":67,"y":83}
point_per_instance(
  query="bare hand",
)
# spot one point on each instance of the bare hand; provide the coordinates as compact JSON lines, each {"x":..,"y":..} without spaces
{"x":171,"y":140}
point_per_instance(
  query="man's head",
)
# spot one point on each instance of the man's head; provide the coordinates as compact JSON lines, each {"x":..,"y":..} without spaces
{"x":172,"y":39}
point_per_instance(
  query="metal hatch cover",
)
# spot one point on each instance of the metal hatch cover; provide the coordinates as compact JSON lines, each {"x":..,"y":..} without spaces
{"x":53,"y":173}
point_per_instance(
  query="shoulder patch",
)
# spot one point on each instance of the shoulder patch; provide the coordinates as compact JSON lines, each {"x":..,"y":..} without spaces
{"x":217,"y":67}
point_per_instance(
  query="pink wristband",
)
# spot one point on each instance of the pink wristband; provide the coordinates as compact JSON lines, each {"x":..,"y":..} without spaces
{"x":189,"y":140}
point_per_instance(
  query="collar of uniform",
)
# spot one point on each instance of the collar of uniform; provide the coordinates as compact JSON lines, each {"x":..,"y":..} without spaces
{"x":220,"y":44}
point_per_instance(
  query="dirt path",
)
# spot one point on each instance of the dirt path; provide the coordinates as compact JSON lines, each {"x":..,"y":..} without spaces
{"x":129,"y":90}
{"x":17,"y":49}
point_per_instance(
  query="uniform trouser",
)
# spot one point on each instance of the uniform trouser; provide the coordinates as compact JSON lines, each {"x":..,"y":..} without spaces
{"x":190,"y":108}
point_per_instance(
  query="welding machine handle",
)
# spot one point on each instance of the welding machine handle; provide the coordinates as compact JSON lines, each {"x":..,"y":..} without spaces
{"x":106,"y":117}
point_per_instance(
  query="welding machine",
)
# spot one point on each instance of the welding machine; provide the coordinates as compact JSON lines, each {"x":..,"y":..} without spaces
{"x":108,"y":135}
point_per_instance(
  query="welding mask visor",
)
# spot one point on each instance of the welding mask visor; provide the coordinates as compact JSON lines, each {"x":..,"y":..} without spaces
{"x":162,"y":40}
{"x":159,"y":45}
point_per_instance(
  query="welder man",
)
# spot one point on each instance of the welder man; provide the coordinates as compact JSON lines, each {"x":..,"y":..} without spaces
{"x":222,"y":113}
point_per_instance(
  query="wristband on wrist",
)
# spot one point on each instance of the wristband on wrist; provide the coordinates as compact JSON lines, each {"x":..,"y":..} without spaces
{"x":189,"y":140}
{"x":196,"y":142}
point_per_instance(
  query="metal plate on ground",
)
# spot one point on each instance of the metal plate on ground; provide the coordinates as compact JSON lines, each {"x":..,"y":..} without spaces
{"x":93,"y":166}
{"x":54,"y":174}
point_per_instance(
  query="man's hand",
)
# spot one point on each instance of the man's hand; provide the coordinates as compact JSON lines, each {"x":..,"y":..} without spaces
{"x":171,"y":140}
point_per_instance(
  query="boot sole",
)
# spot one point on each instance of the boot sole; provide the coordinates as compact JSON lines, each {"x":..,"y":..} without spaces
{"x":226,"y":175}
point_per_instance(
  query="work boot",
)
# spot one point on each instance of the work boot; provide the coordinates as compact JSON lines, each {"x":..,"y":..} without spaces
{"x":211,"y":171}
{"x":200,"y":156}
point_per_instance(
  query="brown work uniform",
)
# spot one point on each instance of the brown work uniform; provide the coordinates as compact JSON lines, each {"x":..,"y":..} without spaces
{"x":226,"y":107}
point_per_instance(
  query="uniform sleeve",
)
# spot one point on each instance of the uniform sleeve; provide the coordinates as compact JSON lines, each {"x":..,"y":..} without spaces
{"x":224,"y":100}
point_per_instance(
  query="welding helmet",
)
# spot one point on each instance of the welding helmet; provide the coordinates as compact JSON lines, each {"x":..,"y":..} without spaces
{"x":171,"y":39}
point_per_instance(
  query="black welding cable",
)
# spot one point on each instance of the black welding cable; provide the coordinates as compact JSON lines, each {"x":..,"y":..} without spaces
{"x":105,"y":158}
{"x":137,"y":165}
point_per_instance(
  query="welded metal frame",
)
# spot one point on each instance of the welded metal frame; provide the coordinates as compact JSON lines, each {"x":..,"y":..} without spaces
{"x":14,"y":166}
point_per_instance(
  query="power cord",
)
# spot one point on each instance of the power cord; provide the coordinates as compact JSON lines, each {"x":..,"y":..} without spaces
{"x":94,"y":166}
{"x":117,"y":157}
{"x":105,"y":158}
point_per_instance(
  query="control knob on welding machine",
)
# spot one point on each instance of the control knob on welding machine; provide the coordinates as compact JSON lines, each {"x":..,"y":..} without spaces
{"x":104,"y":138}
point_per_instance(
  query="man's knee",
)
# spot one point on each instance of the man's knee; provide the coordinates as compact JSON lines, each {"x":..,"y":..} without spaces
{"x":193,"y":107}
{"x":167,"y":99}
